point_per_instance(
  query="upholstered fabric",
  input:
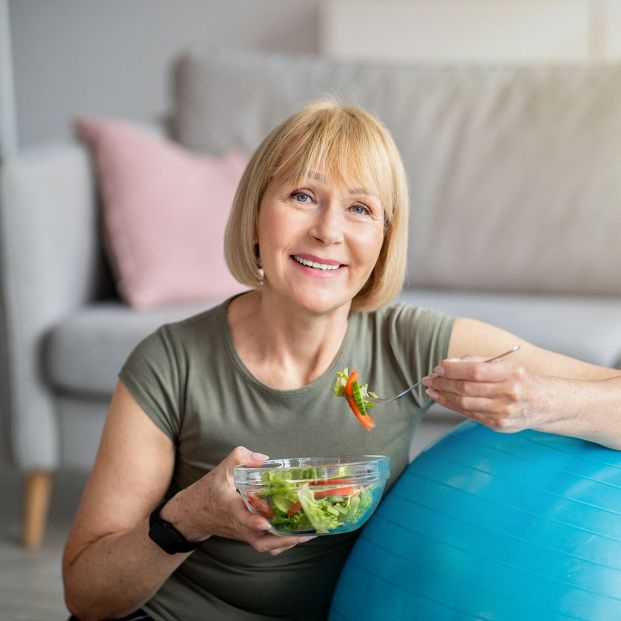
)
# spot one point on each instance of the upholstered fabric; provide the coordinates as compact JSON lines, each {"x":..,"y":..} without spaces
{"x":51,"y":264}
{"x":85,"y":352}
{"x":164,"y":212}
{"x":587,"y":328}
{"x":79,"y":422}
{"x":510,"y":168}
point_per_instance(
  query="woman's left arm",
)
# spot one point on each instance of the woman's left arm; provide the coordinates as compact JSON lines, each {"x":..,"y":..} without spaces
{"x":530,"y":389}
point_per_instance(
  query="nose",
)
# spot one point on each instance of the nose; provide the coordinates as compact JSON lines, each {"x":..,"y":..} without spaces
{"x":328,"y":225}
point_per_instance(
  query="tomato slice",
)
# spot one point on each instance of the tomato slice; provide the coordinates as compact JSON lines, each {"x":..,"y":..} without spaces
{"x":336,"y":491}
{"x":363,"y":417}
{"x":366,"y":420}
{"x":294,"y":508}
{"x":349,"y":384}
{"x":261,"y":505}
{"x":335,"y":481}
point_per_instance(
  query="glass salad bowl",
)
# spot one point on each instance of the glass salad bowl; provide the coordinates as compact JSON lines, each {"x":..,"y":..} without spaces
{"x":314,"y":495}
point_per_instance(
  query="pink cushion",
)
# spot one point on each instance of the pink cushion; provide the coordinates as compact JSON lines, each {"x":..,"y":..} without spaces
{"x":164,"y":214}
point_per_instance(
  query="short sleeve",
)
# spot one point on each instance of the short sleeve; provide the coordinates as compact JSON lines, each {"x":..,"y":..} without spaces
{"x":420,"y":338}
{"x":152,"y":376}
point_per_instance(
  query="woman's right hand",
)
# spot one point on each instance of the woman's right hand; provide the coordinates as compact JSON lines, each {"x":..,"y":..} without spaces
{"x":212,"y":506}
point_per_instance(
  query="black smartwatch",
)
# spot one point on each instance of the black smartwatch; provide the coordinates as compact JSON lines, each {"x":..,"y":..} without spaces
{"x":167,"y":536}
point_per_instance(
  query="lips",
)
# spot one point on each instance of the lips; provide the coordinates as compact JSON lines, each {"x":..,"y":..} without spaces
{"x":324,"y":265}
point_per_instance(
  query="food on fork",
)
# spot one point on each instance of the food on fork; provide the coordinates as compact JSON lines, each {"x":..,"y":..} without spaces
{"x":357,"y":395}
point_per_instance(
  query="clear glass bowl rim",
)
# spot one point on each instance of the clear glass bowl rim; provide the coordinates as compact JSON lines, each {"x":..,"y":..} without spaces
{"x":361,"y":468}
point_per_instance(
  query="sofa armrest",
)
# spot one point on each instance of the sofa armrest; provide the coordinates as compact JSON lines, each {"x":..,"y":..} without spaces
{"x":50,"y":263}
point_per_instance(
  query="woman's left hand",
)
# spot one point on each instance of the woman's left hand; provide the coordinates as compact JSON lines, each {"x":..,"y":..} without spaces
{"x":501,"y":395}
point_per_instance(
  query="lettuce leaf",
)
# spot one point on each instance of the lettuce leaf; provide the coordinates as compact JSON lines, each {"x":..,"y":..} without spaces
{"x":317,"y":511}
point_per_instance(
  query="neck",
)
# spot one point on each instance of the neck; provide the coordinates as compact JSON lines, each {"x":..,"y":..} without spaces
{"x":281,"y":345}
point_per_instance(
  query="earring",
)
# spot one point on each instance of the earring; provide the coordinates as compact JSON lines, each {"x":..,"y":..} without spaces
{"x":260,"y":272}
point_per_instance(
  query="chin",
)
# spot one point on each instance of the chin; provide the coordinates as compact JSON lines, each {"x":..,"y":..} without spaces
{"x":321,"y":306}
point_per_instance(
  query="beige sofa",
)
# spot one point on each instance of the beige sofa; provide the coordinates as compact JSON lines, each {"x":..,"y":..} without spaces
{"x":516,"y":218}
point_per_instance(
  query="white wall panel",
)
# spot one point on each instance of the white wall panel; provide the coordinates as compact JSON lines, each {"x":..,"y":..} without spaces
{"x":612,"y":16}
{"x":521,"y":31}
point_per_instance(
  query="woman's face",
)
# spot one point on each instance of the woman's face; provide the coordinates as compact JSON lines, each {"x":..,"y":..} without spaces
{"x":318,"y":241}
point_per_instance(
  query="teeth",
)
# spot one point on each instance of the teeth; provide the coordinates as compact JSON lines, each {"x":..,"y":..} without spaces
{"x":317,"y":266}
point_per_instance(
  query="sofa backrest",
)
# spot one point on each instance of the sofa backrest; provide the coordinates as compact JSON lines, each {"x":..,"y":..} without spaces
{"x":514,"y":171}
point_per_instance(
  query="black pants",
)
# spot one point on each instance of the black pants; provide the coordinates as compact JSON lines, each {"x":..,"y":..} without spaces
{"x":139,"y":615}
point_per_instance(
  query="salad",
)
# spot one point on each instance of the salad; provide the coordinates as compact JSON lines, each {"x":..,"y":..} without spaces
{"x":297,"y":500}
{"x":357,"y":395}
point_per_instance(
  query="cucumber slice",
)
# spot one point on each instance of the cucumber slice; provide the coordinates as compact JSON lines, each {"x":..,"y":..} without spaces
{"x":281,"y":503}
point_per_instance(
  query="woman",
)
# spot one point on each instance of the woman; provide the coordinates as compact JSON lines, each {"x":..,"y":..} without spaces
{"x":318,"y":230}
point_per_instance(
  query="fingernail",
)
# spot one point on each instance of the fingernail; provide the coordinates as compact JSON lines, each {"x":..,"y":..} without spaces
{"x":439,"y":370}
{"x":305,"y":539}
{"x":259,"y":456}
{"x":434,"y":394}
{"x":427,"y":381}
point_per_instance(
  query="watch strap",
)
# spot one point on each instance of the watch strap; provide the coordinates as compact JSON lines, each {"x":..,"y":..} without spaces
{"x":166,"y":536}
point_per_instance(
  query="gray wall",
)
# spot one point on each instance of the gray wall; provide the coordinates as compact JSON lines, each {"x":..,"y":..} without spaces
{"x":111,"y":56}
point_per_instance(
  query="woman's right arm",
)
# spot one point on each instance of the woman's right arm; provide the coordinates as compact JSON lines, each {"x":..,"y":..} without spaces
{"x":110,"y":565}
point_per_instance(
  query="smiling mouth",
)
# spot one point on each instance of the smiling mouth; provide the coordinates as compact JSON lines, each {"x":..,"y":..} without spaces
{"x":324,"y":267}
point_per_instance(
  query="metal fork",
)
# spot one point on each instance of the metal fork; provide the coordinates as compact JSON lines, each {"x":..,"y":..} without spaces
{"x":378,"y":401}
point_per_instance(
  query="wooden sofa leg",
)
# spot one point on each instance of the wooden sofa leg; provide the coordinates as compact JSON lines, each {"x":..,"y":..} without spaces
{"x":36,"y":503}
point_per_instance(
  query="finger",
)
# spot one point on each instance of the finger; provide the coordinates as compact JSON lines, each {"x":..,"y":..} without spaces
{"x":475,"y":370}
{"x":258,"y":523}
{"x":268,"y":542}
{"x":299,"y":540}
{"x":277,"y":551}
{"x":465,"y":405}
{"x":241,"y":456}
{"x":469,"y":357}
{"x":465,"y":387}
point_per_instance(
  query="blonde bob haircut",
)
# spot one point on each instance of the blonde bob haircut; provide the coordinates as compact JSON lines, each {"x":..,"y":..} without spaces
{"x":350,"y":147}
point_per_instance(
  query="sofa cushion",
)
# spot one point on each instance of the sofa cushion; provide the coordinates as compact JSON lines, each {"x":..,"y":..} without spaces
{"x":513,"y":171}
{"x":164,"y":212}
{"x":585,"y":328}
{"x":85,"y":352}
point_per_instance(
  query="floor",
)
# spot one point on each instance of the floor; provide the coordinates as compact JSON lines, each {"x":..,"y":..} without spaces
{"x":30,"y":582}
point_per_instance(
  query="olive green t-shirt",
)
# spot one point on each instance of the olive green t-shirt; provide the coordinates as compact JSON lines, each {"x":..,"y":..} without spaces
{"x":190,"y":381}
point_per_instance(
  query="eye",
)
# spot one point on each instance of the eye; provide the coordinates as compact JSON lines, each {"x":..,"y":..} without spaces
{"x":360,"y":209}
{"x":301,"y":197}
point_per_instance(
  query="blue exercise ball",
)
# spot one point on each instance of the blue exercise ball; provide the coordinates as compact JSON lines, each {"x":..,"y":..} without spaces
{"x":483,"y":525}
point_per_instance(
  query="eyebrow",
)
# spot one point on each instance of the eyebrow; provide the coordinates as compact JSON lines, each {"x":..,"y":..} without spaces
{"x":360,"y":191}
